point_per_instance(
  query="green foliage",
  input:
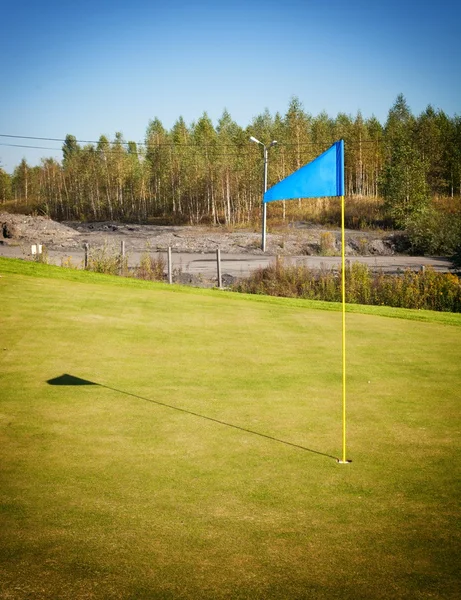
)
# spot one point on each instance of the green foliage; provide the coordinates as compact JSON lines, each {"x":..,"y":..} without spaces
{"x":403,"y":181}
{"x":456,"y":258}
{"x":434,"y":232}
{"x":26,"y":184}
{"x":5,"y":186}
{"x":423,"y":290}
{"x":70,"y":149}
{"x":206,"y":173}
{"x":404,"y":186}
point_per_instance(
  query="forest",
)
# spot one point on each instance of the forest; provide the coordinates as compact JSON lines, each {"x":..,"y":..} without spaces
{"x":405,"y":173}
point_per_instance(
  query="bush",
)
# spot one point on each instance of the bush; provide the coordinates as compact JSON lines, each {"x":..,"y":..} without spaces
{"x":106,"y":260}
{"x":419,"y":290}
{"x":434,"y":232}
{"x":456,"y":258}
{"x":327,"y":244}
{"x":151,"y":268}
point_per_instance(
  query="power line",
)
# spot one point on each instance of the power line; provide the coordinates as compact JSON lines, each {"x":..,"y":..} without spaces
{"x":121,"y":143}
{"x":31,"y":137}
{"x":23,"y":146}
{"x":116,"y":151}
{"x":166,"y":144}
{"x":115,"y":146}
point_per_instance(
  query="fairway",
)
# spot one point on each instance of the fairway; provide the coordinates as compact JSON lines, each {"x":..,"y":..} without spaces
{"x":171,"y":443}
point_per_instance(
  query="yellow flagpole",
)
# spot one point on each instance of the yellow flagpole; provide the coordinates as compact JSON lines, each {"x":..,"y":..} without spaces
{"x":343,"y":295}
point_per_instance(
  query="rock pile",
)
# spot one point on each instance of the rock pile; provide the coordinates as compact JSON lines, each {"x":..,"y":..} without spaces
{"x":16,"y":229}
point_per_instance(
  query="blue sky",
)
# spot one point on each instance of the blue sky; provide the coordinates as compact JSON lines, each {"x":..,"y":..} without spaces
{"x":96,"y":67}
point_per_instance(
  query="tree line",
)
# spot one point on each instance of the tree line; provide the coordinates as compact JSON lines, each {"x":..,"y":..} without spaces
{"x":201,"y":173}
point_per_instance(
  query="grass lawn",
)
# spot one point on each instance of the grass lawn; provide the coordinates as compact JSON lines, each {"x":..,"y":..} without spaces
{"x":199,"y":459}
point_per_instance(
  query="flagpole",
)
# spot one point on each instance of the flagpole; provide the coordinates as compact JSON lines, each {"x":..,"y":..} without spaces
{"x":343,"y":297}
{"x":322,"y":177}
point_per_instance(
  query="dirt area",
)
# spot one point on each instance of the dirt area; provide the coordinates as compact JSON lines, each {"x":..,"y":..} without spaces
{"x":194,"y":256}
{"x":300,"y":239}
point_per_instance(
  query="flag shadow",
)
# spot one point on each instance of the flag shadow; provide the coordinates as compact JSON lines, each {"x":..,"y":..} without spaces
{"x":67,"y":379}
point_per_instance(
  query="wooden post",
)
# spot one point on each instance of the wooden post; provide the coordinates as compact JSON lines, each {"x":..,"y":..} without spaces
{"x":122,"y":257}
{"x":85,"y":260}
{"x":218,"y":261}
{"x":170,"y":269}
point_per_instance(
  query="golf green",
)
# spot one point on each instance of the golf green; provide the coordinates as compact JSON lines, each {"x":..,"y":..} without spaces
{"x":164,"y":442}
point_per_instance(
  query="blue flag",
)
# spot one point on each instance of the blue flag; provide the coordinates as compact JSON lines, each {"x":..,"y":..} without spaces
{"x":324,"y":176}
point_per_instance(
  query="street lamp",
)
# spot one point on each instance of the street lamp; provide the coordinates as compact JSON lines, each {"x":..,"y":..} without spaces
{"x":266,"y":150}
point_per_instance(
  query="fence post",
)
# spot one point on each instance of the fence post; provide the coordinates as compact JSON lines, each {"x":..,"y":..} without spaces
{"x":85,"y":260}
{"x":122,"y":257}
{"x":170,"y":270}
{"x":218,"y":261}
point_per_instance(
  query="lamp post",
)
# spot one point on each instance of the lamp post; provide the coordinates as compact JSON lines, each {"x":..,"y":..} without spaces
{"x":266,"y":152}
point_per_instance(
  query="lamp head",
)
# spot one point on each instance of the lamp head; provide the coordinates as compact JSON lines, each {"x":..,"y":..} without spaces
{"x":253,"y":139}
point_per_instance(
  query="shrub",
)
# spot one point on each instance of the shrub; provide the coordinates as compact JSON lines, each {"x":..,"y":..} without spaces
{"x":327,"y":244}
{"x":106,"y":260}
{"x":151,"y":268}
{"x":68,"y":263}
{"x":434,"y":232}
{"x":456,"y":258}
{"x":419,"y":290}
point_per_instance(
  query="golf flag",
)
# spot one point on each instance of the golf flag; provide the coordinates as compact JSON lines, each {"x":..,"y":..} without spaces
{"x":324,"y":176}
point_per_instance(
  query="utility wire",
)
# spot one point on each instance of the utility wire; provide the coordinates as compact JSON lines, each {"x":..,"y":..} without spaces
{"x":177,"y":150}
{"x":170,"y":144}
{"x":116,"y":151}
{"x":113,"y":147}
{"x":23,"y":146}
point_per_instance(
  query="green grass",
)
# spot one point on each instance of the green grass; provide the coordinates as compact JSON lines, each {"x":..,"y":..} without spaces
{"x":202,"y":464}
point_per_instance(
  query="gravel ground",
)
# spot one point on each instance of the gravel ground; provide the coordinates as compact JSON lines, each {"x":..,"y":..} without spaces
{"x":297,"y":240}
{"x":194,"y":248}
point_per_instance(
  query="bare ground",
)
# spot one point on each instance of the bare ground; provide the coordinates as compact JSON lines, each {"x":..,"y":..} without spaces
{"x":296,"y":240}
{"x":194,"y":248}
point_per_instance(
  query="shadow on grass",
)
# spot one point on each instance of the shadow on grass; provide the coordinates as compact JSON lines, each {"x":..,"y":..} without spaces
{"x":67,"y":379}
